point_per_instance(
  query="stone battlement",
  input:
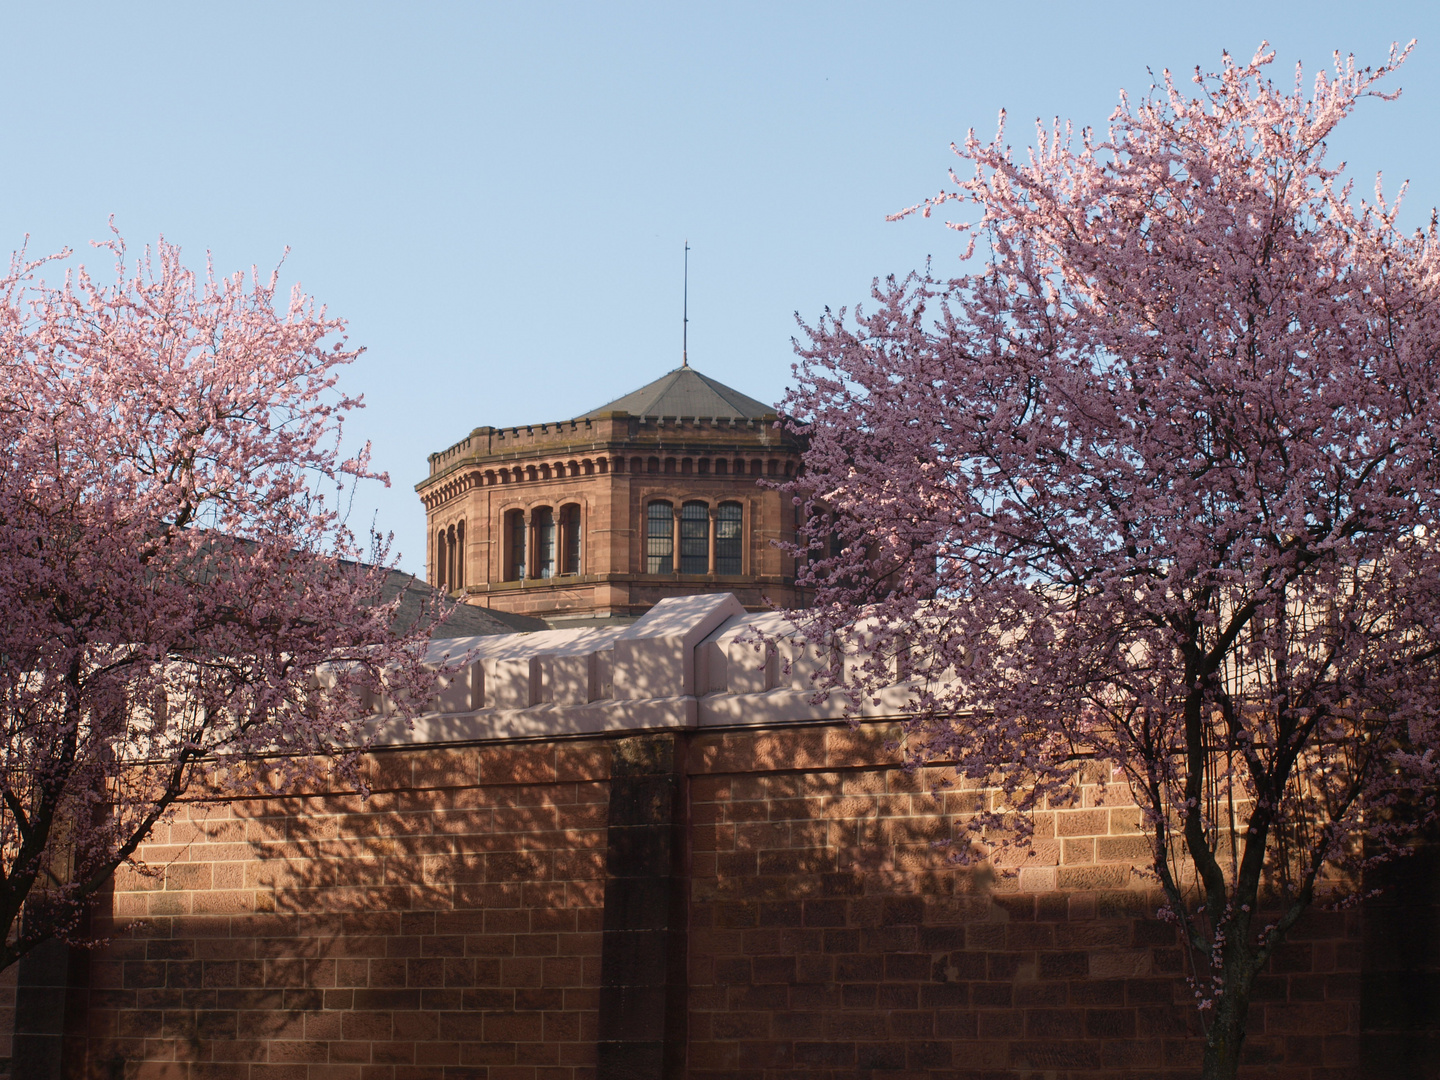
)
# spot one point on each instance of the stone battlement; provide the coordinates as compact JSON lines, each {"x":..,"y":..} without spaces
{"x":569,"y":436}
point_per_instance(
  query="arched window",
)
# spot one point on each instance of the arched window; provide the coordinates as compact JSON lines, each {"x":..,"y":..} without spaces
{"x":440,"y":560}
{"x":695,"y":538}
{"x":450,"y":558}
{"x":544,"y":519}
{"x":729,"y":537}
{"x":515,"y":545}
{"x":455,"y":557}
{"x":660,"y":538}
{"x":570,"y":539}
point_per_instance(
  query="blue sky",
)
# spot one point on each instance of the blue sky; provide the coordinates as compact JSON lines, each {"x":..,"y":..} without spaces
{"x":496,"y":195}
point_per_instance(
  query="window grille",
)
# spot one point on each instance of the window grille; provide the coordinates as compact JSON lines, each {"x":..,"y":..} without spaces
{"x":544,"y":542}
{"x":660,"y":538}
{"x":729,"y":523}
{"x":570,"y":528}
{"x":517,"y":546}
{"x":695,"y":538}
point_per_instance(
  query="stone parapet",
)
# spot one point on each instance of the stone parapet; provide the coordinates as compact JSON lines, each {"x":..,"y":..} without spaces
{"x":690,"y":662}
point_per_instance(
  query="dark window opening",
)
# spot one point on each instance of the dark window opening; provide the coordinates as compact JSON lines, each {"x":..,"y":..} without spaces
{"x":695,"y":538}
{"x":544,"y":519}
{"x":729,"y":522}
{"x":515,"y":527}
{"x":660,"y":538}
{"x":570,"y":539}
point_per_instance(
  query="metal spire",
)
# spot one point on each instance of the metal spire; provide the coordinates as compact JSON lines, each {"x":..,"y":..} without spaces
{"x":685,"y":325}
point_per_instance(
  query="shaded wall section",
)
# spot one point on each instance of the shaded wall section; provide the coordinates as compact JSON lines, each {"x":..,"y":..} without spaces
{"x":831,"y":937}
{"x":447,"y":925}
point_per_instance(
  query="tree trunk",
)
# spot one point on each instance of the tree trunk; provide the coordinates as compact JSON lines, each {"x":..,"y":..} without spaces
{"x":1227,"y":1035}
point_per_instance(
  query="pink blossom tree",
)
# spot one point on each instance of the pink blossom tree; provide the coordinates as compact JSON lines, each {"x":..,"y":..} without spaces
{"x":1153,"y":492}
{"x":183,"y":604}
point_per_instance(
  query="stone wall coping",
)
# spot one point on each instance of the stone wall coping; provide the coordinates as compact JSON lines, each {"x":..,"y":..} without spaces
{"x":695,"y":661}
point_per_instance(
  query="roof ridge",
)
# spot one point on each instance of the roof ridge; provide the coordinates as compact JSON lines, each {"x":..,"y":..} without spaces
{"x":701,"y":397}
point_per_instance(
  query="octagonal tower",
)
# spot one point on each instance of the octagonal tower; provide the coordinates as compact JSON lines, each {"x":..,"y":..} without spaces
{"x":652,"y":495}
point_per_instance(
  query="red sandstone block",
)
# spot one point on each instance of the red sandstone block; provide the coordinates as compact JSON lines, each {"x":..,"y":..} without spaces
{"x":863,"y":746}
{"x":752,"y":788}
{"x":514,"y":1027}
{"x":516,"y":764}
{"x":357,"y":1053}
{"x":434,"y":1053}
{"x":393,"y":1053}
{"x":1310,"y":1018}
{"x":463,"y":822}
{"x":296,"y":1052}
{"x":580,"y":816}
{"x":543,"y":1057}
{"x":184,"y":876}
{"x":521,"y":971}
{"x":387,"y":771}
{"x":582,"y":761}
{"x":536,"y":944}
{"x":1109,"y":876}
{"x":525,"y":819}
{"x":1082,"y":822}
{"x":1125,"y":821}
{"x":1077,"y":852}
{"x":709,"y":789}
{"x":579,"y":865}
{"x":564,"y":970}
{"x":443,"y":768}
{"x":519,"y":866}
{"x":797,"y":809}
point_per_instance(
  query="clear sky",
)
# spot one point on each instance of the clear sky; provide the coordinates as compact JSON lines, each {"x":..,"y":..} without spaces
{"x":496,"y":195}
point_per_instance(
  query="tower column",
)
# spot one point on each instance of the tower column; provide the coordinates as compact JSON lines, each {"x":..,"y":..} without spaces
{"x":711,"y":562}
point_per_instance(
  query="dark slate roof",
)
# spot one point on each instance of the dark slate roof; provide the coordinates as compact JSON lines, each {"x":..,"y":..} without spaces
{"x":685,"y":392}
{"x":466,"y":620}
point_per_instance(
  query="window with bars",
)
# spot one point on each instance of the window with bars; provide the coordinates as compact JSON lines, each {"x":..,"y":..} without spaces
{"x":660,"y":538}
{"x":515,"y":526}
{"x":544,"y":519}
{"x":695,"y":538}
{"x":729,"y":526}
{"x":570,"y":539}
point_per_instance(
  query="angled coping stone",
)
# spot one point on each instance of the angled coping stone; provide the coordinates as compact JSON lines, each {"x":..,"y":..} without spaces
{"x":655,"y":657}
{"x":693,"y":661}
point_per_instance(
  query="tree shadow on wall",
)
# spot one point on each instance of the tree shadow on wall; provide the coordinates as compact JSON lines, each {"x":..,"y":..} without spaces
{"x":383,"y":930}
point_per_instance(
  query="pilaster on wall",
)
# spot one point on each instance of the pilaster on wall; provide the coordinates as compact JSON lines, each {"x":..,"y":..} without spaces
{"x":643,"y":955}
{"x":42,"y":992}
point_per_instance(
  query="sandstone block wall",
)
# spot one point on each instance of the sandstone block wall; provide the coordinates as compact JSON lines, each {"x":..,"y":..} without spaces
{"x":447,"y":925}
{"x":650,"y":854}
{"x":831,"y":937}
{"x":451,"y":927}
